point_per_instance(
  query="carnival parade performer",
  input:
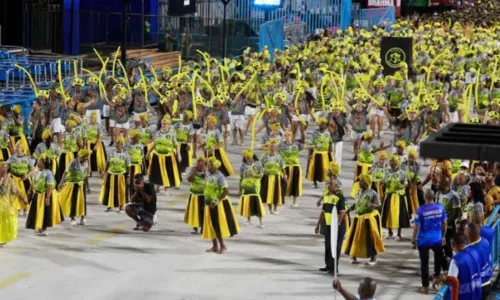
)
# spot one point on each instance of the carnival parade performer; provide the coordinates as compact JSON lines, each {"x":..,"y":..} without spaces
{"x":377,"y":173}
{"x":364,"y":239}
{"x":50,"y":149}
{"x":45,"y":210}
{"x":163,"y":170}
{"x":289,"y":151}
{"x":184,"y":131}
{"x":97,"y":161}
{"x":21,"y":167}
{"x":414,"y":195}
{"x":274,"y":180}
{"x":135,"y":150}
{"x":114,"y":192}
{"x":220,"y":221}
{"x":74,"y":188}
{"x":395,"y":213}
{"x":5,"y":144}
{"x":9,"y":206}
{"x":320,"y":156}
{"x":72,"y":142}
{"x":214,"y":146}
{"x":15,"y":127}
{"x":250,"y":204}
{"x":195,"y":209}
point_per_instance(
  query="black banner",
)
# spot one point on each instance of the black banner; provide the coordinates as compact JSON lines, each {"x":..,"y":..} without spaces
{"x":394,"y":51}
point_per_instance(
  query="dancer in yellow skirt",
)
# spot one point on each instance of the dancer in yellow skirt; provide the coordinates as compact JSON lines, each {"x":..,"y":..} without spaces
{"x":165,"y":153}
{"x":250,"y":204}
{"x":15,"y":127}
{"x":289,"y":151}
{"x":72,"y":142}
{"x":21,"y":167}
{"x":320,"y":156}
{"x":184,"y":132}
{"x":114,"y":192}
{"x":135,"y":151}
{"x":220,"y":220}
{"x":9,"y":205}
{"x":74,"y":187}
{"x":45,"y":210}
{"x":273,"y":182}
{"x":50,"y":149}
{"x":5,"y":144}
{"x":195,"y":208}
{"x":214,"y":146}
{"x":364,"y":238}
{"x":365,"y":159}
{"x":97,"y":161}
{"x":377,"y":172}
{"x":414,"y":196}
{"x":146,"y":133}
{"x":394,"y":209}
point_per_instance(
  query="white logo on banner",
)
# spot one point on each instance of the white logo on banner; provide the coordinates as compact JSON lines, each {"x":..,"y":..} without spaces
{"x":380,"y":3}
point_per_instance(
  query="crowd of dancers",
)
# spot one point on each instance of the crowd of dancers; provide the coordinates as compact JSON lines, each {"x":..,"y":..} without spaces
{"x":333,"y":83}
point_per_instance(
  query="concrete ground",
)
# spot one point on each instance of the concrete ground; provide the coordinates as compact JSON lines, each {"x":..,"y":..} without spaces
{"x":108,"y":260}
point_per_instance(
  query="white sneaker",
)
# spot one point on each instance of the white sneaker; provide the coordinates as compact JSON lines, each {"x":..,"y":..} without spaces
{"x":155,"y":220}
{"x":83,"y":222}
{"x":261,"y":226}
{"x":389,"y":237}
{"x":371,"y":263}
{"x":42,"y":233}
{"x":276,"y":213}
{"x":248,"y":223}
{"x":295,"y":205}
{"x":73,"y":222}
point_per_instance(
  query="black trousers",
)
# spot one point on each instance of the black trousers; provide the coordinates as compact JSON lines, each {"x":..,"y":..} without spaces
{"x":329,"y":260}
{"x":448,"y":251}
{"x":486,"y":291}
{"x":439,"y":262}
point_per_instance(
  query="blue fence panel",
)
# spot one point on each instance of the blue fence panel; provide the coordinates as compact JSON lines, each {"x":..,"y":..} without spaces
{"x":381,"y":17}
{"x":272,"y":36}
{"x":346,"y":14}
{"x":494,"y":222}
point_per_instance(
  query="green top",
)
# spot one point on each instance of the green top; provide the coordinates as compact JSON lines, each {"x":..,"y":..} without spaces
{"x":165,"y":142}
{"x":42,"y":180}
{"x":273,"y":164}
{"x":365,"y":200}
{"x":20,"y":165}
{"x":76,"y":171}
{"x":118,"y":162}
{"x":70,"y":142}
{"x":214,"y":185}
{"x":394,"y":181}
{"x":136,"y":153}
{"x":93,"y":133}
{"x":290,"y":153}
{"x":198,"y":184}
{"x":321,"y":140}
{"x":4,"y":139}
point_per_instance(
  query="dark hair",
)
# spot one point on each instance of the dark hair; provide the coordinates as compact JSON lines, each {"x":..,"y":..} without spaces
{"x":459,"y":238}
{"x":139,"y":177}
{"x":476,"y":192}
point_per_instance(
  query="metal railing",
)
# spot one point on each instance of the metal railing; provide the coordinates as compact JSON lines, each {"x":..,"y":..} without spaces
{"x":494,"y":223}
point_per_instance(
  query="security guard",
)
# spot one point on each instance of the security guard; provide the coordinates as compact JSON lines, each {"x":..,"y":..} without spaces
{"x":333,"y":198}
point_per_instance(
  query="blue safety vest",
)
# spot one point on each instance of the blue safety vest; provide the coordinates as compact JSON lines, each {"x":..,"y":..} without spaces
{"x":482,"y":252}
{"x":468,"y":276}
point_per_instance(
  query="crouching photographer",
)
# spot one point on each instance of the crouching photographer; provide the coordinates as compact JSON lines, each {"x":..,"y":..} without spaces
{"x":143,"y":204}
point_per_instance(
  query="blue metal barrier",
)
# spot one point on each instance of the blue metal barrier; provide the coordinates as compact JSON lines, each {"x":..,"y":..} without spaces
{"x":494,"y":222}
{"x":272,"y":36}
{"x":381,"y":17}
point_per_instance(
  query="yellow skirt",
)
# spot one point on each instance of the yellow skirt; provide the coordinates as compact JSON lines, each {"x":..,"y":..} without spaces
{"x":220,"y":221}
{"x":194,"y":213}
{"x":23,"y":188}
{"x":63,"y":162}
{"x":98,"y":157}
{"x":8,"y":228}
{"x":163,"y":170}
{"x":318,"y":166}
{"x":251,"y":205}
{"x":42,"y":216}
{"x":22,"y":141}
{"x":271,"y":189}
{"x":394,"y":212}
{"x":412,"y":198}
{"x":114,"y":191}
{"x":364,"y":237}
{"x":73,"y":200}
{"x":4,"y":154}
{"x":294,"y":184}
{"x":226,"y":167}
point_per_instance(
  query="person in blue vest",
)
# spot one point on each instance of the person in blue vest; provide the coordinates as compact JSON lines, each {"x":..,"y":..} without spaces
{"x":486,"y":232}
{"x":428,"y":234}
{"x":331,"y":199}
{"x":481,"y":251}
{"x":466,"y":269}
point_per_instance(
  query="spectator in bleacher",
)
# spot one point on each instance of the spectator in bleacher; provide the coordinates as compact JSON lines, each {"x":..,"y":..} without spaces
{"x":186,"y":43}
{"x":170,"y":40}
